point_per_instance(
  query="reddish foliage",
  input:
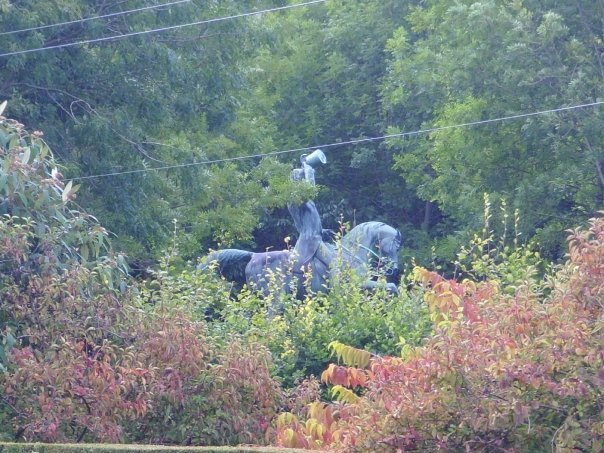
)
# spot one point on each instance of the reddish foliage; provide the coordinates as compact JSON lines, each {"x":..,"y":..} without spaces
{"x":72,"y":390}
{"x":81,"y":357}
{"x":227,"y":397}
{"x":587,"y":254}
{"x":172,"y":347}
{"x":245,"y":390}
{"x":67,"y":379}
{"x":350,"y":377}
{"x":500,"y":372}
{"x":304,"y":393}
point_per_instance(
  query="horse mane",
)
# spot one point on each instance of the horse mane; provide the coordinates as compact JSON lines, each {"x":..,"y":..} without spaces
{"x":364,"y":233}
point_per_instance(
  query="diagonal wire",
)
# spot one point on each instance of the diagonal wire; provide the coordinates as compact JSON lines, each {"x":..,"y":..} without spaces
{"x":86,"y":19}
{"x":348,"y":142}
{"x":158,"y":30}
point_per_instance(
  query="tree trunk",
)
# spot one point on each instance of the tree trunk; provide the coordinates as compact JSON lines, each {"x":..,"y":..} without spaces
{"x":427,"y":216}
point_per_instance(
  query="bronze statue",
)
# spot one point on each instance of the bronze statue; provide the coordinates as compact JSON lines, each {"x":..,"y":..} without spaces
{"x":368,"y":249}
{"x":310,"y":255}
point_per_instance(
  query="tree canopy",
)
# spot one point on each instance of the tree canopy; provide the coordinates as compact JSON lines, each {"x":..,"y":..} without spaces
{"x":307,"y":76}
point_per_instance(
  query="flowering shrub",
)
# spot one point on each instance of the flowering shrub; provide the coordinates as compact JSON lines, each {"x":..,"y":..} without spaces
{"x":520,"y":372}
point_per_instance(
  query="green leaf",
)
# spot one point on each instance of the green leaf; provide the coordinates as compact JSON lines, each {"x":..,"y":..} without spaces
{"x":26,"y":155}
{"x":66,"y":192}
{"x":4,"y":138}
{"x":14,"y":142}
{"x":343,"y":395}
{"x":10,"y":340}
{"x":85,"y":252}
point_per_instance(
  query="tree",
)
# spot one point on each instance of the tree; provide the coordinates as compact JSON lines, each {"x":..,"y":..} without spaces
{"x":316,"y":82}
{"x":145,"y":101}
{"x":86,"y":356}
{"x":469,"y":61}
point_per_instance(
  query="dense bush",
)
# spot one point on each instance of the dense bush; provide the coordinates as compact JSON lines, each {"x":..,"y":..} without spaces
{"x":513,"y":362}
{"x":85,"y":355}
{"x":521,"y":371}
{"x":209,"y":391}
{"x":297,"y":332}
{"x":65,"y":375}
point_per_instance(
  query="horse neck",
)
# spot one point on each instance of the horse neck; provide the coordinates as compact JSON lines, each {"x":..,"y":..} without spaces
{"x":366,"y":233}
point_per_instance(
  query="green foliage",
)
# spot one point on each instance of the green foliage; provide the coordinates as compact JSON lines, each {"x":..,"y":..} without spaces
{"x":469,"y":61}
{"x":298,"y":332}
{"x":325,"y":73}
{"x":32,"y":187}
{"x":518,"y":371}
{"x":146,"y":101}
{"x":503,"y":260}
{"x":349,"y":355}
{"x":237,"y":212}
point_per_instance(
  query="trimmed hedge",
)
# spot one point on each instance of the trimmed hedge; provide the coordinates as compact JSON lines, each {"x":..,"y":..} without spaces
{"x":10,"y":447}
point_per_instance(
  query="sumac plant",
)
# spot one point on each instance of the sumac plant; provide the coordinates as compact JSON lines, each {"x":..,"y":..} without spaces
{"x":521,"y":372}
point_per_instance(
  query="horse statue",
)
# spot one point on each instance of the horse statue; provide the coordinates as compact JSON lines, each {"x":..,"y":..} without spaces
{"x":369,"y":249}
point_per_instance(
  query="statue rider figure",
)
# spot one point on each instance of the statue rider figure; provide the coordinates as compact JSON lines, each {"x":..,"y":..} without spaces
{"x":311,"y":254}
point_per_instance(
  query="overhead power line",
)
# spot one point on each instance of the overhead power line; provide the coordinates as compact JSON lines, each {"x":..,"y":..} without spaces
{"x":348,"y":142}
{"x":104,"y":16}
{"x":159,"y":30}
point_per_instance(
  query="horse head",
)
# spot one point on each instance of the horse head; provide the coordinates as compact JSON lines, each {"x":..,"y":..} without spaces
{"x":387,"y":244}
{"x":376,"y":245}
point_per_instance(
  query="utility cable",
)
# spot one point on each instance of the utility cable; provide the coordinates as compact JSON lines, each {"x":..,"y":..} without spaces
{"x":158,"y":30}
{"x":348,"y":142}
{"x":104,"y":16}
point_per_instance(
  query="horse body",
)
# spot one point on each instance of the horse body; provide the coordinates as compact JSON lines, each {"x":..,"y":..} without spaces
{"x":369,"y":248}
{"x":267,"y":269}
